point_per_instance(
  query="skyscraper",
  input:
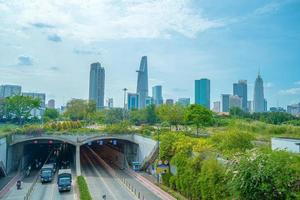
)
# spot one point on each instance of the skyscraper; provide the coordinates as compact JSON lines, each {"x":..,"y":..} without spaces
{"x":184,"y":101}
{"x":51,"y":104}
{"x":170,"y":102}
{"x":42,"y":97}
{"x":240,"y":89}
{"x":235,"y":101}
{"x":202,"y":92}
{"x":97,"y":84}
{"x":217,"y":106}
{"x":225,"y":102}
{"x":157,"y":95}
{"x":9,"y":90}
{"x":259,"y":100}
{"x":132,"y":101}
{"x":142,"y":83}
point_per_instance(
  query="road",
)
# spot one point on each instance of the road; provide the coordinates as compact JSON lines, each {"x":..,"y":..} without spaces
{"x":100,"y":182}
{"x":49,"y":191}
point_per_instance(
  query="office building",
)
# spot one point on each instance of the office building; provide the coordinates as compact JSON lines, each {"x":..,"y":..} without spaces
{"x":170,"y":102}
{"x":235,"y":102}
{"x":157,"y":95}
{"x":149,"y":101}
{"x":217,"y":106}
{"x":9,"y":90}
{"x":240,"y":89}
{"x":132,"y":101}
{"x":294,"y":109}
{"x":202,"y":92}
{"x":142,"y":82}
{"x":51,"y":104}
{"x":277,"y":109}
{"x":265,"y":105}
{"x":97,"y":84}
{"x":42,"y":96}
{"x":225,"y":102}
{"x":259,"y":99}
{"x":184,"y":101}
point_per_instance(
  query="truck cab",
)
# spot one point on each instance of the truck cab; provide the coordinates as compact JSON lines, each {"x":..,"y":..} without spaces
{"x":47,"y":173}
{"x":64,"y":180}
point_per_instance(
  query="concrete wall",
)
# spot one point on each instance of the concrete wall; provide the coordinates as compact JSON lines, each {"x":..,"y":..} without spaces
{"x":286,"y":144}
{"x":3,"y":147}
{"x":146,"y":145}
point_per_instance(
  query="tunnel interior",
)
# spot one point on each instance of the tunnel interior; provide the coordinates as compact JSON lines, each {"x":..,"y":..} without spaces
{"x":35,"y":153}
{"x":115,"y":151}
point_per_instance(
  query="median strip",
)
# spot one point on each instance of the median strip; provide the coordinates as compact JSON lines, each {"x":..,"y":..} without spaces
{"x":84,"y":192}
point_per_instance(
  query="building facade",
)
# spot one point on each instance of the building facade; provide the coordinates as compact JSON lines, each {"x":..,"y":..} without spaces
{"x":142,"y":82}
{"x":42,"y":97}
{"x":110,"y":102}
{"x":170,"y":102}
{"x":259,"y":99}
{"x":294,"y":109}
{"x":225,"y":102}
{"x":10,"y":90}
{"x":202,"y":92}
{"x":240,"y":89}
{"x":157,"y":95}
{"x":132,"y":101}
{"x":217,"y":106}
{"x":184,"y":101}
{"x":51,"y":104}
{"x":97,"y":84}
{"x":235,"y":102}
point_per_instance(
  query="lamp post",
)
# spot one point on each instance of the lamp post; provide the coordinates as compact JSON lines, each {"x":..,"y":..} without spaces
{"x":125,"y":90}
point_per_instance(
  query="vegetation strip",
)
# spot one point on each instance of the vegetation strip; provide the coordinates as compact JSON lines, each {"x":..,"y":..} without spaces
{"x":84,"y":192}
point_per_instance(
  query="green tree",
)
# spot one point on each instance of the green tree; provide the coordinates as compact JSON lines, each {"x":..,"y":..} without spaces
{"x":267,"y":175}
{"x":173,"y":114}
{"x":213,"y":182}
{"x":137,"y":117}
{"x":19,"y":107}
{"x":51,"y":113}
{"x":114,"y":115}
{"x":150,"y":114}
{"x":198,"y":116}
{"x":79,"y":109}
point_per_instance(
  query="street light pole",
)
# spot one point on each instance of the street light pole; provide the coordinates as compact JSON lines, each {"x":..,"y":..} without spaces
{"x":125,"y":90}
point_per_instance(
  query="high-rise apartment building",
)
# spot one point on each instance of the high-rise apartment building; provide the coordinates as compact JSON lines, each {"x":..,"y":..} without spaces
{"x":110,"y":102}
{"x":132,"y":101}
{"x":184,"y":101}
{"x":225,"y":102}
{"x":157,"y":95}
{"x":169,"y":101}
{"x":42,"y":98}
{"x":97,"y":84}
{"x":240,"y":89}
{"x":9,"y":90}
{"x":249,"y":106}
{"x":51,"y":104}
{"x":235,"y":102}
{"x":217,"y":106}
{"x":142,"y":83}
{"x":259,"y":100}
{"x":202,"y":92}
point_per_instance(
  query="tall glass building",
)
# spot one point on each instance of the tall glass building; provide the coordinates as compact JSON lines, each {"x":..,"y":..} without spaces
{"x":142,"y":83}
{"x":202,"y":92}
{"x":259,"y":100}
{"x":157,"y":95}
{"x":225,"y":102}
{"x":97,"y":84}
{"x":9,"y":90}
{"x":240,"y":89}
{"x":132,"y":101}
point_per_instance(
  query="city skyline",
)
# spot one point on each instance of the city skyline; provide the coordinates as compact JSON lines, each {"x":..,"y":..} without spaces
{"x":222,"y":46}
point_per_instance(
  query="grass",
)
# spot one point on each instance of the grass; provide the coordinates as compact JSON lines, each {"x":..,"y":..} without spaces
{"x":84,"y":192}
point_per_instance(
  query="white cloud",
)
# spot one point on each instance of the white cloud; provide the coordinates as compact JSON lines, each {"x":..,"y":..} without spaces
{"x":291,"y":91}
{"x":109,"y":19}
{"x":297,"y":83}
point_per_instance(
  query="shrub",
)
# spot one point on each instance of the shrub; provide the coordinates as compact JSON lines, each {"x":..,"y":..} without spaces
{"x":83,"y":189}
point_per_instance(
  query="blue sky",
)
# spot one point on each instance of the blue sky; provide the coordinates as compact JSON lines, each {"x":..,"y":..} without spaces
{"x":48,"y":47}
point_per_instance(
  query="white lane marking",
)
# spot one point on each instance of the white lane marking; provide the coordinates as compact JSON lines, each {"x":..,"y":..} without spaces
{"x":100,"y":176}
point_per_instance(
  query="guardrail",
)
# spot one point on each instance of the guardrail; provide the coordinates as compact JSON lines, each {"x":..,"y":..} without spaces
{"x":118,"y":177}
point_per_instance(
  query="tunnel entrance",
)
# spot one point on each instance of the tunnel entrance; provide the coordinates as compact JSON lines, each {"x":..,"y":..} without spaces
{"x":34,"y":153}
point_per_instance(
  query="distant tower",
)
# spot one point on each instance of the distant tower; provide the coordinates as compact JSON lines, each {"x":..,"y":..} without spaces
{"x":240,"y":89}
{"x":97,"y":84}
{"x":157,"y":95}
{"x":202,"y":92}
{"x":142,"y":83}
{"x":259,"y":100}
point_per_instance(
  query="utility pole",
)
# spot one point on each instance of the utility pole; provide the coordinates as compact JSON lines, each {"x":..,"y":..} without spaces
{"x":125,"y":90}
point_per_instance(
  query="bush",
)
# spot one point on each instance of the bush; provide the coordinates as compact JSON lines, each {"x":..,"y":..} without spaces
{"x":83,"y":189}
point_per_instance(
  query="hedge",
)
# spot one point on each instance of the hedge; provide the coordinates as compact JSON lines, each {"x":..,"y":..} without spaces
{"x":83,"y":189}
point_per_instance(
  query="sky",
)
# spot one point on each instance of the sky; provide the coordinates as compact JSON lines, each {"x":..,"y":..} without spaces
{"x":48,"y":47}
